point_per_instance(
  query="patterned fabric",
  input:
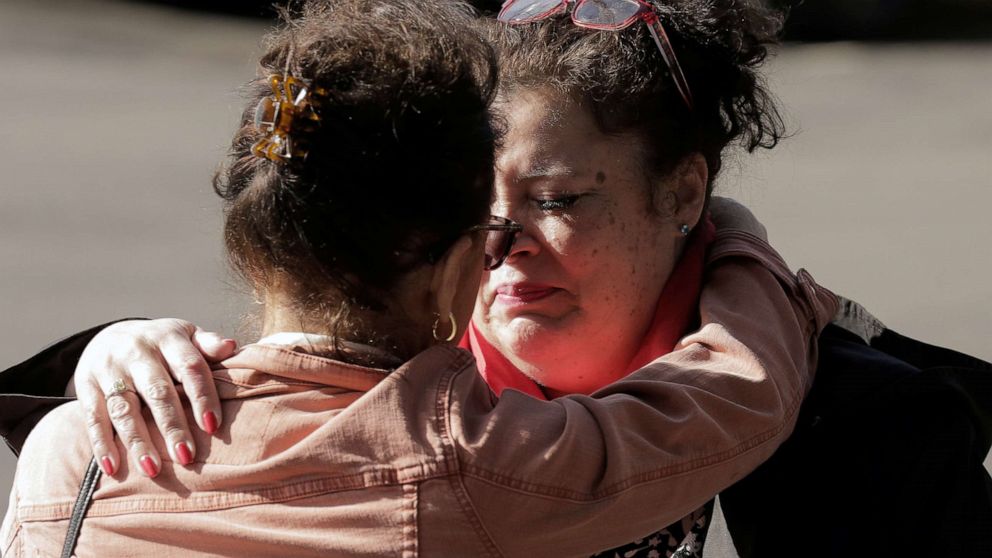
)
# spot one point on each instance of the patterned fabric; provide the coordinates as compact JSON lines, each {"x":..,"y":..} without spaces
{"x":683,"y":539}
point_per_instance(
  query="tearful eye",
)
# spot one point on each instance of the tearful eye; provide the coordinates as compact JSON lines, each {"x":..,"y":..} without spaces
{"x":558,"y":203}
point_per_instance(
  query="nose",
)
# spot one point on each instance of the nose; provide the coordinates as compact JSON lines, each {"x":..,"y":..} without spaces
{"x":525,"y":244}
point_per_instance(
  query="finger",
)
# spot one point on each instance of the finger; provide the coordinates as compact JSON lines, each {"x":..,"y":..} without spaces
{"x":192,"y":371}
{"x":99,"y":429}
{"x":124,"y":410}
{"x":213,"y":346}
{"x":154,"y":384}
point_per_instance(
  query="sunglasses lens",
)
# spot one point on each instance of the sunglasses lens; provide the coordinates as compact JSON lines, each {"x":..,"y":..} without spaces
{"x":606,"y":14}
{"x":497,"y":245}
{"x":522,"y":11}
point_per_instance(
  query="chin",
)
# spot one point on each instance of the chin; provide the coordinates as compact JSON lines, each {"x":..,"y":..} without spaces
{"x":522,"y":340}
{"x":526,"y":342}
{"x":530,"y":335}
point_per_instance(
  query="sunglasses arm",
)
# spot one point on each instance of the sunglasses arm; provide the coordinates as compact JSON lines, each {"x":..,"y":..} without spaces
{"x":668,"y":54}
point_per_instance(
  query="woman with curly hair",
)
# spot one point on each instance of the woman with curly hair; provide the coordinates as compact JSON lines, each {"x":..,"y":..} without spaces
{"x":356,"y":198}
{"x":614,"y":102}
{"x":617,"y":117}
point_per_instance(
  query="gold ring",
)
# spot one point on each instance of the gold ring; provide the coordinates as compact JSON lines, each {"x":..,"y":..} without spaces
{"x":118,"y":388}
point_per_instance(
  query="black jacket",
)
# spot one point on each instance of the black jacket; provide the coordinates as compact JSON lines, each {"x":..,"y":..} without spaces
{"x":886,"y":458}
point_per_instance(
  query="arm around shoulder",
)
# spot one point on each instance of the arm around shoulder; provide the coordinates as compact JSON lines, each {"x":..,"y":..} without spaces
{"x":647,"y":450}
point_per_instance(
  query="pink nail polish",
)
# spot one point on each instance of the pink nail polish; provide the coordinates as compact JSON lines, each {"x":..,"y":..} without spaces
{"x":183,"y":453}
{"x":148,"y":464}
{"x":210,"y":422}
{"x":107,"y":465}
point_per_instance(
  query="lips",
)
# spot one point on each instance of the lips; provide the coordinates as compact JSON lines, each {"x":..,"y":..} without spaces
{"x":518,"y":294}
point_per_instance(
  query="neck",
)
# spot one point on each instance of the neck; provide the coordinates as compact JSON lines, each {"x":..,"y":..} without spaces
{"x":382,"y":331}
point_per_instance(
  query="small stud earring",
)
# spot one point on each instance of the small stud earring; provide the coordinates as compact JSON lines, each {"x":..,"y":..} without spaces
{"x":685,"y":229}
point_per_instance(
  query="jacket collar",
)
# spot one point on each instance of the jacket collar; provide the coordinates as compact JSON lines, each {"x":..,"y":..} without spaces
{"x":269,"y":368}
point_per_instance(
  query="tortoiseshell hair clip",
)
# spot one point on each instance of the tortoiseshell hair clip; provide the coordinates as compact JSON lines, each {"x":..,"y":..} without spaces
{"x":287,"y":118}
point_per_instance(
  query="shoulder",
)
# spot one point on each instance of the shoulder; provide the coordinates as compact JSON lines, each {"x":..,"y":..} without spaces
{"x":435,"y":367}
{"x":54,"y":460}
{"x":409,"y":412}
{"x":437,"y":383}
{"x":745,"y":258}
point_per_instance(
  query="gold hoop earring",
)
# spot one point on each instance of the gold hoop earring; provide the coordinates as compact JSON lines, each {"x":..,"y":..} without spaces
{"x":454,"y":328}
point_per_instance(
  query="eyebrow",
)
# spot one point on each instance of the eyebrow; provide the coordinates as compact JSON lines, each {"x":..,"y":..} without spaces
{"x":547,"y":170}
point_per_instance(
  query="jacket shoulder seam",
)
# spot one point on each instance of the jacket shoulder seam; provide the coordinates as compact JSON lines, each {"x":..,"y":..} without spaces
{"x":443,"y":421}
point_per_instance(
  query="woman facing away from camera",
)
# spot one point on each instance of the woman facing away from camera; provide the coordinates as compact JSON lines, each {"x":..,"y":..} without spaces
{"x":613,"y":145}
{"x":356,"y":202}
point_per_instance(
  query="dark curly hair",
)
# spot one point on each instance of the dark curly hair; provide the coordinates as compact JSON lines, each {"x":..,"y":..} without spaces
{"x":399,"y":167}
{"x":622,"y":78}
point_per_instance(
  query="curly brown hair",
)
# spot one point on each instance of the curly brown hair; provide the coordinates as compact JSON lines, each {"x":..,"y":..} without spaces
{"x":622,"y":78}
{"x":399,"y":166}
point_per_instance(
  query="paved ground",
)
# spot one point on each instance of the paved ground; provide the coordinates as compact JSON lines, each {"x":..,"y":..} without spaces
{"x":114,"y":115}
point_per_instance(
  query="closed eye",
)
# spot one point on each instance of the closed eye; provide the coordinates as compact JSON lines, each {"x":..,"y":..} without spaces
{"x":558,"y":203}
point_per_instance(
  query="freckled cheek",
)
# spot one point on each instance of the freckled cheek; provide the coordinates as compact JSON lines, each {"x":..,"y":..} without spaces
{"x":595,"y":272}
{"x":618,"y":262}
{"x":558,"y":237}
{"x":577,"y":249}
{"x":593,"y":236}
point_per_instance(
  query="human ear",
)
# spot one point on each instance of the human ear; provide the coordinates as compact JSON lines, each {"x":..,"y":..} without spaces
{"x":454,"y":284}
{"x":691,"y":179}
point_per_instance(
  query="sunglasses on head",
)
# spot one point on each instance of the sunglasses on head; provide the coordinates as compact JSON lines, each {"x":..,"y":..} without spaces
{"x":608,"y":15}
{"x":501,"y":233}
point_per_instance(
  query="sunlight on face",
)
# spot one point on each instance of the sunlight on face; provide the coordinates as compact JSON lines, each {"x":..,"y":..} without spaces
{"x":577,"y":294}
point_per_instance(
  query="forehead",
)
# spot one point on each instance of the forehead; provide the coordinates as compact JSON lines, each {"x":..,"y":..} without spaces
{"x":548,"y":132}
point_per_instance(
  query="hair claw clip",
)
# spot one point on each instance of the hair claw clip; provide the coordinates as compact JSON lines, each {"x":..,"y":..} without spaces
{"x":287,"y":118}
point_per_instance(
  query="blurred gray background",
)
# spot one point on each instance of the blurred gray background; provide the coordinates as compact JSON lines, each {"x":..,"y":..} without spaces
{"x":113,"y":116}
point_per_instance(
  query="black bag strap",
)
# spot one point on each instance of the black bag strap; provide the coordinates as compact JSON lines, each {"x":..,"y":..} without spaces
{"x":86,"y":490}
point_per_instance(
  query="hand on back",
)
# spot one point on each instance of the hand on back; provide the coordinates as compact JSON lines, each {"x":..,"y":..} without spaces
{"x":147,"y":359}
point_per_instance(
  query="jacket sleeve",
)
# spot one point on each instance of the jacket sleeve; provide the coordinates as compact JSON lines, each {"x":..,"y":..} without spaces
{"x":597,"y":471}
{"x":31,"y":389}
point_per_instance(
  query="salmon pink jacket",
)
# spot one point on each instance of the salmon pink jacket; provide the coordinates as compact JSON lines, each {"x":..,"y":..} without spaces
{"x":323,"y":458}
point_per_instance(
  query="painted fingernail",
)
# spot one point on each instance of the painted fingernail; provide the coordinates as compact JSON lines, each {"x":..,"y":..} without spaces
{"x":148,"y":464}
{"x":184,"y":453}
{"x":210,"y":422}
{"x":107,"y":465}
